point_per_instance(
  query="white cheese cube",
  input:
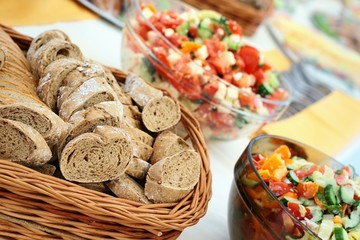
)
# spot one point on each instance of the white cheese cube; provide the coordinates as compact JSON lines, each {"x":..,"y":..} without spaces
{"x":225,"y":108}
{"x":221,"y":92}
{"x":231,"y":94}
{"x":173,"y":57}
{"x":202,"y":52}
{"x":235,"y":38}
{"x":168,"y":32}
{"x":147,"y":12}
{"x":237,"y":76}
{"x":151,"y":36}
{"x":195,"y":68}
{"x":228,"y":57}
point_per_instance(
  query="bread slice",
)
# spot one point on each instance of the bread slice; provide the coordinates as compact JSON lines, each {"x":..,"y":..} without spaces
{"x":41,"y":40}
{"x":22,"y":144}
{"x":141,"y":150}
{"x":47,"y":169}
{"x":123,"y":97}
{"x":138,"y":168}
{"x":105,"y":113}
{"x":128,"y":188}
{"x":50,"y":83}
{"x":132,"y":116}
{"x":167,"y":144}
{"x":139,"y":90}
{"x":52,"y":50}
{"x":172,"y":178}
{"x":137,"y":134}
{"x":161,"y":114}
{"x":42,"y":119}
{"x":91,"y":92}
{"x":96,"y":157}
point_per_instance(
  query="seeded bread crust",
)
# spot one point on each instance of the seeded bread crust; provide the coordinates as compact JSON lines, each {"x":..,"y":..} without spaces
{"x":22,"y":144}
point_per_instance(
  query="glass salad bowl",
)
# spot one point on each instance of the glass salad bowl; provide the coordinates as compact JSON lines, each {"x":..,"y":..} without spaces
{"x":201,"y":58}
{"x":284,"y":189}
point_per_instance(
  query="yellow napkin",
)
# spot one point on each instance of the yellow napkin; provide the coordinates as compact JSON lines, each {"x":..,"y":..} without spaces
{"x":328,"y":125}
{"x":35,"y":12}
{"x":277,"y":60}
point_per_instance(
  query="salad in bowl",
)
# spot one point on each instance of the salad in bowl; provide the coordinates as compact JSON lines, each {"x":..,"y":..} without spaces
{"x":201,"y":58}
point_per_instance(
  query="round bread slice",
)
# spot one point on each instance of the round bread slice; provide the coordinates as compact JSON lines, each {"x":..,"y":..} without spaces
{"x":96,"y":157}
{"x":41,"y":40}
{"x":22,"y":144}
{"x":161,"y":114}
{"x":50,"y":83}
{"x":128,"y":188}
{"x":167,"y":144}
{"x":51,"y":51}
{"x":172,"y":178}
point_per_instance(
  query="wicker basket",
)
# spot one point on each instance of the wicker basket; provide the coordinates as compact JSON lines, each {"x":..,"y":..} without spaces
{"x":37,"y":206}
{"x":248,"y":17}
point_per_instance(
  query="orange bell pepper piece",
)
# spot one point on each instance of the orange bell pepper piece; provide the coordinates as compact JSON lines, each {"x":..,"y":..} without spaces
{"x":188,"y":46}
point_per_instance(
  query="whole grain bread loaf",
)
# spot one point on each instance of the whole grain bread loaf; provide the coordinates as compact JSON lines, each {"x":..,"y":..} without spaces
{"x":160,"y":114}
{"x":138,"y":168}
{"x":22,"y":144}
{"x":172,"y":178}
{"x":96,"y":157}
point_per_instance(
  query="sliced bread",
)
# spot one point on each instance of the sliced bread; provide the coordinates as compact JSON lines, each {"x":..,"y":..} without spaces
{"x":172,"y":178}
{"x":167,"y":144}
{"x":139,"y":90}
{"x":138,"y":168}
{"x":91,"y":92}
{"x":141,"y":150}
{"x":54,"y":74}
{"x":128,"y":188}
{"x":96,"y":157}
{"x":47,"y":169}
{"x":22,"y":144}
{"x":161,"y":114}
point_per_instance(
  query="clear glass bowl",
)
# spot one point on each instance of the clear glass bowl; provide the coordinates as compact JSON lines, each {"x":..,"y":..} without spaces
{"x":217,"y":118}
{"x":246,"y":213}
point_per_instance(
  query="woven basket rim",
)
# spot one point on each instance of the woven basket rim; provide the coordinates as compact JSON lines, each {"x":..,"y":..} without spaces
{"x":23,"y":188}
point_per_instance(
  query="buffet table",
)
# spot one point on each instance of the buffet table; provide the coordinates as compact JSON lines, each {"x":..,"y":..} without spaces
{"x":101,"y":41}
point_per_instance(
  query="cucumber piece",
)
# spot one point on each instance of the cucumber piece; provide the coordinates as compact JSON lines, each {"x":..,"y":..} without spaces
{"x":330,"y":195}
{"x":205,"y":33}
{"x":265,"y":89}
{"x":317,"y":214}
{"x":183,"y":29}
{"x":321,"y":198}
{"x":231,"y":45}
{"x":297,"y":163}
{"x":340,"y":233}
{"x":347,"y":194}
{"x":286,"y":200}
{"x":326,"y":227}
{"x":293,"y":178}
{"x":356,"y":204}
{"x":248,"y":182}
{"x":273,"y":79}
{"x":353,"y":220}
{"x":334,"y":209}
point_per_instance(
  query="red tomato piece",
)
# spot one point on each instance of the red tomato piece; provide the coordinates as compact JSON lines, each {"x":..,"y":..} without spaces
{"x":279,"y":188}
{"x":215,"y":47}
{"x":307,"y":189}
{"x":278,"y":95}
{"x":161,"y":54}
{"x":193,"y":31}
{"x":247,"y":100}
{"x":342,"y":177}
{"x":266,"y":67}
{"x":219,"y":64}
{"x":251,"y":58}
{"x":295,"y":210}
{"x":234,"y":27}
{"x":303,"y":173}
{"x":170,"y":19}
{"x":259,"y":76}
{"x":211,"y":87}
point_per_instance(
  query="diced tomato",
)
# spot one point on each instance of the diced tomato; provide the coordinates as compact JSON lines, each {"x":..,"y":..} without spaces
{"x":170,"y":19}
{"x":295,"y":210}
{"x":189,"y":85}
{"x":161,"y":54}
{"x":259,"y":76}
{"x":292,"y":195}
{"x":211,"y":87}
{"x":279,"y":188}
{"x":307,"y":189}
{"x":303,"y":173}
{"x":278,"y":95}
{"x":177,"y":39}
{"x":349,"y":170}
{"x":228,"y":77}
{"x":193,"y":31}
{"x":251,"y":58}
{"x":356,"y":198}
{"x":219,"y":64}
{"x":247,"y":100}
{"x":142,"y":31}
{"x":266,"y":67}
{"x":215,"y":47}
{"x":342,"y":177}
{"x":239,"y":62}
{"x":234,"y":27}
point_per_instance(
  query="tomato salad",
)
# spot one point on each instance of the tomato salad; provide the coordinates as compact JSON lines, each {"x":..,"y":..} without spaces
{"x":203,"y":56}
{"x":324,"y":200}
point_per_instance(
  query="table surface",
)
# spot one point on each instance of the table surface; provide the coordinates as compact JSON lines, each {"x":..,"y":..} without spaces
{"x":101,"y":41}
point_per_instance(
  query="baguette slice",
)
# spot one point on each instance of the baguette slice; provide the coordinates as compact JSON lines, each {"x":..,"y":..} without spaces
{"x":48,"y":124}
{"x":41,"y":40}
{"x":137,"y":134}
{"x":128,"y":188}
{"x":161,"y":114}
{"x":124,"y":98}
{"x":54,"y":75}
{"x":139,"y":90}
{"x":141,"y":150}
{"x":132,"y":116}
{"x":47,"y":169}
{"x":105,"y":113}
{"x":96,"y":157}
{"x":172,"y":178}
{"x":167,"y":144}
{"x":22,"y":144}
{"x":91,"y":92}
{"x":51,"y":51}
{"x":138,"y":168}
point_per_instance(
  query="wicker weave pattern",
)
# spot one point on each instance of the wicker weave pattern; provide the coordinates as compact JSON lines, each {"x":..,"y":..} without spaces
{"x":247,"y":16}
{"x":37,"y":206}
